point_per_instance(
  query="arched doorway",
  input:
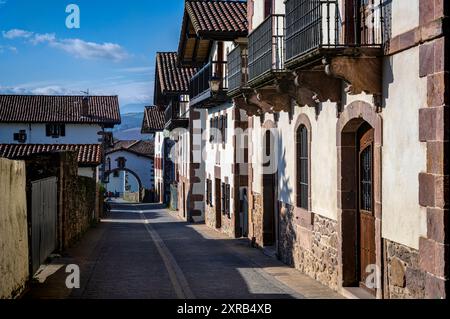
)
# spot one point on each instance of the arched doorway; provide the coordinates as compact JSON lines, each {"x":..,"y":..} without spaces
{"x":359,"y":194}
{"x":122,"y":180}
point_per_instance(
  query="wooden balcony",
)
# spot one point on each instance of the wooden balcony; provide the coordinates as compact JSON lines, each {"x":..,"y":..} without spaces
{"x":319,"y":27}
{"x":342,"y":38}
{"x":209,"y":86}
{"x":177,"y":114}
{"x":237,"y":70}
{"x":266,"y":54}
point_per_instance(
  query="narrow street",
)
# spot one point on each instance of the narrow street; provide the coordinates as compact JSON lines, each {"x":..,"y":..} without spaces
{"x":144,"y":252}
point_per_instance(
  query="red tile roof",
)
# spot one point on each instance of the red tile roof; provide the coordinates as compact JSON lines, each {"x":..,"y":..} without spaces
{"x":170,"y":77}
{"x":59,"y":109}
{"x":143,"y":148}
{"x":88,"y":154}
{"x":216,"y":16}
{"x":154,"y":120}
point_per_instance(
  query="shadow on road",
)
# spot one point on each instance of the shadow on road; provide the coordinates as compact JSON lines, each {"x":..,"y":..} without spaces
{"x":120,"y":260}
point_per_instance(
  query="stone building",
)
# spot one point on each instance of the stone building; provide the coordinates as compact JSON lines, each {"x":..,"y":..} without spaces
{"x":348,"y":131}
{"x":153,"y":124}
{"x":343,"y":111}
{"x":172,"y":93}
{"x":206,"y":45}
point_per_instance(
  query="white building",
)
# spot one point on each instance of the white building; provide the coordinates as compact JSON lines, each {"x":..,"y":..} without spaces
{"x":36,"y":124}
{"x":130,"y":168}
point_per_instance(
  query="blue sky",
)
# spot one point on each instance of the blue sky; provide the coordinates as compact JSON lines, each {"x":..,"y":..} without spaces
{"x":113,"y":51}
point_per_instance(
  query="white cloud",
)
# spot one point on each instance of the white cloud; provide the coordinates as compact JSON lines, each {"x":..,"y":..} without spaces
{"x":129,"y":92}
{"x":4,"y":48}
{"x":91,"y":50}
{"x":139,"y":69}
{"x":76,"y":47}
{"x":17,"y":33}
{"x":42,"y":38}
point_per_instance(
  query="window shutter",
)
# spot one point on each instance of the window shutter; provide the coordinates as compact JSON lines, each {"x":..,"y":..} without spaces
{"x":48,"y":130}
{"x":62,"y":130}
{"x":228,"y":199}
{"x":223,"y":197}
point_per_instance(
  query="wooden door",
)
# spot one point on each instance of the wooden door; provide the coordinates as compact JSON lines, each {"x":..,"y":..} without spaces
{"x":269,"y":209}
{"x":367,"y":252}
{"x":218,"y":201}
{"x":269,"y":192}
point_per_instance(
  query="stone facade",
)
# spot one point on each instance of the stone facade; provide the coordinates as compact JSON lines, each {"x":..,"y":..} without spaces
{"x":256,"y":224}
{"x":226,"y":222}
{"x":312,"y":249}
{"x":404,"y":277}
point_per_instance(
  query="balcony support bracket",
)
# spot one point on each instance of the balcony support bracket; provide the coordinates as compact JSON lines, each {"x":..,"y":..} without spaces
{"x":363,"y":74}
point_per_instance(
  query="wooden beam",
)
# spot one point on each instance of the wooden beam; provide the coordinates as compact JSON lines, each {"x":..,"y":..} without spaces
{"x":363,"y":74}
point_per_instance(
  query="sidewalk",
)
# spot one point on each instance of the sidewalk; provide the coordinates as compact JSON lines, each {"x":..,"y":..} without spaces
{"x":301,"y":284}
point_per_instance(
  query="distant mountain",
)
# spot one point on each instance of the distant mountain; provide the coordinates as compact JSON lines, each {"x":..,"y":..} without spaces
{"x":130,"y":135}
{"x":130,"y":129}
{"x":133,"y":108}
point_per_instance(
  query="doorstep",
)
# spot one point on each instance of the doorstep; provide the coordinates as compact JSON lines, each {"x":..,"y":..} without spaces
{"x":356,"y":293}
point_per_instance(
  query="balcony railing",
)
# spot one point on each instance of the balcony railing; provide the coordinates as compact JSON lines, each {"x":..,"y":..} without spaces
{"x":237,"y":68}
{"x":200,"y":89}
{"x":266,"y":47}
{"x":177,"y":113}
{"x":316,"y":24}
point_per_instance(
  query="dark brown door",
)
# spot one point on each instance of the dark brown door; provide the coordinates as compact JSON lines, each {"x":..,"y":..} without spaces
{"x":367,"y":253}
{"x":218,"y":201}
{"x":269,"y":200}
{"x":184,"y":200}
{"x":269,"y":209}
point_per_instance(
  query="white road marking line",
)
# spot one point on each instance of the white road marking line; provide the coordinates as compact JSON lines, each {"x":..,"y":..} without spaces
{"x":176,"y":275}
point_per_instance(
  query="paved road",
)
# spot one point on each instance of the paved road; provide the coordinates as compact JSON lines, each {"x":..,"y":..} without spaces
{"x":143,"y":251}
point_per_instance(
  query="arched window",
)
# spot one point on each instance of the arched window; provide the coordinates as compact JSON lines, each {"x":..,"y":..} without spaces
{"x":302,"y":141}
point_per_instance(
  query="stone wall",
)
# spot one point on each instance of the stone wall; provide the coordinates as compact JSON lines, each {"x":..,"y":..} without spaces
{"x":80,"y":208}
{"x":404,"y":277}
{"x":312,"y":249}
{"x":77,"y":195}
{"x":14,"y":270}
{"x":257,"y":219}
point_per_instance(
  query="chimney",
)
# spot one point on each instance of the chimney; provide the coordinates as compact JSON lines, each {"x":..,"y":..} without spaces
{"x":85,"y":106}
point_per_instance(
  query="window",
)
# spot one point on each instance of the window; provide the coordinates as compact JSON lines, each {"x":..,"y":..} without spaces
{"x":227,"y":200}
{"x":20,"y":137}
{"x":55,"y":130}
{"x":108,"y":163}
{"x":302,"y":167}
{"x":121,"y":162}
{"x":209,"y":200}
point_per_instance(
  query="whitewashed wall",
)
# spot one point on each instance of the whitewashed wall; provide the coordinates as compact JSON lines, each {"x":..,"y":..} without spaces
{"x":219,"y":154}
{"x":403,"y":156}
{"x":159,"y":153}
{"x":36,"y":134}
{"x":142,"y":166}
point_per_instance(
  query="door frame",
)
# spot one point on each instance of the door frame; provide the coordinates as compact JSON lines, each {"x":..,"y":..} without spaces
{"x":349,"y":122}
{"x":366,"y":139}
